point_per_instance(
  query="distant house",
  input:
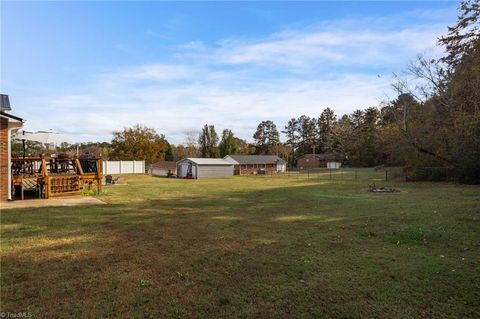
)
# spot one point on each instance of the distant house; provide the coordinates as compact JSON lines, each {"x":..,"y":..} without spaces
{"x":329,"y":160}
{"x":8,"y":124}
{"x":196,"y":168}
{"x":162,"y":168}
{"x":256,"y":164}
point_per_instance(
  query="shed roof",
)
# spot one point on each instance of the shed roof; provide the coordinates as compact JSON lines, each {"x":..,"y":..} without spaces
{"x":207,"y":161}
{"x":163,"y":164}
{"x":256,"y":159}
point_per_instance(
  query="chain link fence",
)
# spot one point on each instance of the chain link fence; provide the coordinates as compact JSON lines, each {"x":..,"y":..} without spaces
{"x":380,"y":173}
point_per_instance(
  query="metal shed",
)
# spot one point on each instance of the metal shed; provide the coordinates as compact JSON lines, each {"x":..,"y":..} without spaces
{"x":204,"y":168}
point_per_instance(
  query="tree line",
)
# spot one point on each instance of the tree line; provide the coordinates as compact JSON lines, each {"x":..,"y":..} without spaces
{"x":433,"y":121}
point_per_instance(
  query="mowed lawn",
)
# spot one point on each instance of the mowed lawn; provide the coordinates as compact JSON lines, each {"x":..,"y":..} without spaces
{"x":248,"y":247}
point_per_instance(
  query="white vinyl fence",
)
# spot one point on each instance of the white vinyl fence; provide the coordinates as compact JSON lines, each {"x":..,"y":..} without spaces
{"x":123,"y":167}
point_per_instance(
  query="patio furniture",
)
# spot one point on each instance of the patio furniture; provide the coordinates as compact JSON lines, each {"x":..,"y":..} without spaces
{"x":30,"y":184}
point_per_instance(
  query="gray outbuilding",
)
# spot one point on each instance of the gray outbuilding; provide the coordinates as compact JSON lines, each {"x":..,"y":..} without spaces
{"x":204,"y":168}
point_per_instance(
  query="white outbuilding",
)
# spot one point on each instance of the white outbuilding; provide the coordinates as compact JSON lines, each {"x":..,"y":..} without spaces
{"x":204,"y":168}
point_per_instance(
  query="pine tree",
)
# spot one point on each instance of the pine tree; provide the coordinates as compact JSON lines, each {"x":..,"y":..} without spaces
{"x":266,"y":137}
{"x":325,"y":127}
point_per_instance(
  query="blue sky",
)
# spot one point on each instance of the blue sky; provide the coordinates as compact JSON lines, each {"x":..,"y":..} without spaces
{"x":88,"y":68}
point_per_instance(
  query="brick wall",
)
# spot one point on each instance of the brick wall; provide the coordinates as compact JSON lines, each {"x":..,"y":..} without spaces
{"x":3,"y":159}
{"x":309,"y":161}
{"x":254,"y":168}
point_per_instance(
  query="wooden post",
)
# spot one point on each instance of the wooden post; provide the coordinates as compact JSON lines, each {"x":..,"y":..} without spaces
{"x":79,"y":167}
{"x":386,"y":175}
{"x":48,"y":186}
{"x":100,"y":175}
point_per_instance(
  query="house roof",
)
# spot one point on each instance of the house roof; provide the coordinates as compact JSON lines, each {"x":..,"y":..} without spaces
{"x":164,"y":165}
{"x":10,"y":116}
{"x":207,"y":161}
{"x":324,"y":157}
{"x":4,"y":103}
{"x":255,"y":159}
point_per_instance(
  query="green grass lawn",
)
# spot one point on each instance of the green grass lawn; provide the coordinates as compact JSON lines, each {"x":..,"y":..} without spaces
{"x":248,"y":247}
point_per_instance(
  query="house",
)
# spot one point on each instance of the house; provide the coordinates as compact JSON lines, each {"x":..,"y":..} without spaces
{"x":204,"y":168}
{"x":329,"y":160}
{"x":162,"y":168}
{"x":256,"y":164}
{"x":8,"y":125}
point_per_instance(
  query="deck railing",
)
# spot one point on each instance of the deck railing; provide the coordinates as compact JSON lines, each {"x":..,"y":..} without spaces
{"x":57,"y":176}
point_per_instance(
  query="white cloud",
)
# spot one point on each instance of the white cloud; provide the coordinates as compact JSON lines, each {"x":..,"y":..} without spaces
{"x":173,"y":111}
{"x":238,"y":83}
{"x":352,"y":43}
{"x":153,"y":72}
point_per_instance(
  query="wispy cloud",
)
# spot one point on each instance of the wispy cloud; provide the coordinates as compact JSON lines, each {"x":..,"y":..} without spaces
{"x":352,"y":43}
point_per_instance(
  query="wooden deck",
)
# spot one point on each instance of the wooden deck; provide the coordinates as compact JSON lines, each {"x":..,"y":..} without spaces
{"x":51,"y":177}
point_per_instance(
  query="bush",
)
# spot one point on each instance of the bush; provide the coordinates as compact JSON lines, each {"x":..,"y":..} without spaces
{"x":430,"y":174}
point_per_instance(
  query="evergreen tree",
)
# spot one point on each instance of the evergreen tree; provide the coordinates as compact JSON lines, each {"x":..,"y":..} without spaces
{"x":325,"y":128}
{"x":227,"y":144}
{"x":208,"y":141}
{"x":266,"y":137}
{"x":291,"y":132}
{"x":306,"y":128}
{"x":169,"y":153}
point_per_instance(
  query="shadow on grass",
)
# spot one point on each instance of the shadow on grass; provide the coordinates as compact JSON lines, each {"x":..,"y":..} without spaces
{"x":219,"y":253}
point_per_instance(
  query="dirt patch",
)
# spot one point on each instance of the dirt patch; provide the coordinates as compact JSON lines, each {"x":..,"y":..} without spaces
{"x":59,"y":201}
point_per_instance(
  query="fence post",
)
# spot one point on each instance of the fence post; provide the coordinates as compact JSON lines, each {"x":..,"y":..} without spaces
{"x":330,"y":173}
{"x":308,"y":173}
{"x":386,"y":175}
{"x":134,"y":166}
{"x":120,"y":167}
{"x":355,"y":173}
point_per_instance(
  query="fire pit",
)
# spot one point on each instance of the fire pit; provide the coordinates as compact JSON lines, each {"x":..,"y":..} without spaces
{"x":375,"y":189}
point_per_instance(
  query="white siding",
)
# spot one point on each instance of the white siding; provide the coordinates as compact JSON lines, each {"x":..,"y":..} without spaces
{"x":333,"y":165}
{"x":281,"y":168}
{"x":158,"y":171}
{"x":182,"y":169}
{"x":205,"y":168}
{"x":215,"y":171}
